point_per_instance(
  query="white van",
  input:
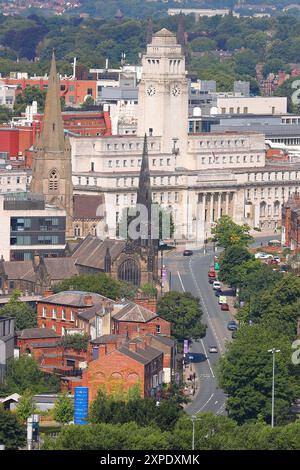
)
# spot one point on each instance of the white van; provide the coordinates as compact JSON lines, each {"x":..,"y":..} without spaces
{"x":216,"y":285}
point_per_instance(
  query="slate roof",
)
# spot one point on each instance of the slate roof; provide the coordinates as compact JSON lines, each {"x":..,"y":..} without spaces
{"x":85,"y":206}
{"x":91,"y":252}
{"x":90,"y":313}
{"x":36,"y":333}
{"x":144,"y":356}
{"x":162,"y":339}
{"x":60,"y":268}
{"x":106,"y":339}
{"x":134,"y":313}
{"x":19,"y":270}
{"x":72,"y":298}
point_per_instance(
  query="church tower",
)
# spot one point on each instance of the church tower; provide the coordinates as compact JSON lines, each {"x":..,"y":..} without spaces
{"x":163,"y":93}
{"x":52,"y":167}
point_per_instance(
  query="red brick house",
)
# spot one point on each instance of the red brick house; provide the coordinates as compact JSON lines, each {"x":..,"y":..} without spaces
{"x":29,"y":337}
{"x":133,"y":318}
{"x":60,"y":311}
{"x":134,"y":362}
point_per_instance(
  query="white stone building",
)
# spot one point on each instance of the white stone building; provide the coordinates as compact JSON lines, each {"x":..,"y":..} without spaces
{"x":199,"y":176}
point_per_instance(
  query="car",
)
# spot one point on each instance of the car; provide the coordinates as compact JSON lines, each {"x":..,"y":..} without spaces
{"x":187,"y":253}
{"x":222,"y":299}
{"x":232,"y":325}
{"x":225,"y":307}
{"x":211,"y":280}
{"x":216,"y":285}
{"x":274,"y":261}
{"x":218,"y":292}
{"x":212,"y":273}
{"x":276,"y":258}
{"x":283,"y":268}
{"x":234,"y":334}
{"x":213,"y":349}
{"x":263,"y":256}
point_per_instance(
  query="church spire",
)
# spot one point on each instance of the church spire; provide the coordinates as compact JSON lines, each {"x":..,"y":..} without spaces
{"x":52,"y":135}
{"x":144,"y":191}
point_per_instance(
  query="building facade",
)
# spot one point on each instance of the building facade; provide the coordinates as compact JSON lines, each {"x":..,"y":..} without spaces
{"x":198,"y":176}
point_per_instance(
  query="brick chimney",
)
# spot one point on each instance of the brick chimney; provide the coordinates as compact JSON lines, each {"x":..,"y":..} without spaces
{"x":102,"y":350}
{"x":88,"y":300}
{"x":132,"y":347}
{"x":47,"y":293}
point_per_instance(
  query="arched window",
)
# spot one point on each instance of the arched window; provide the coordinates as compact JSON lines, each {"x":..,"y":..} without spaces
{"x":53,"y":181}
{"x":77,"y":231}
{"x":276,"y":208}
{"x":263,"y":209}
{"x":129,"y":271}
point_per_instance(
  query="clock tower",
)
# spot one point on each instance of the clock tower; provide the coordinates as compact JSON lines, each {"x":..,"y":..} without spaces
{"x":163,"y":93}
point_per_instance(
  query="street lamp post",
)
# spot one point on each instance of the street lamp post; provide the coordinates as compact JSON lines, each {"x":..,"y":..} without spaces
{"x":273,"y":351}
{"x":193,"y":418}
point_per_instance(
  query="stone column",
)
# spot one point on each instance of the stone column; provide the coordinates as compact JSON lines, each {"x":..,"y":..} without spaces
{"x":211,"y":208}
{"x":219,"y":205}
{"x":227,"y":204}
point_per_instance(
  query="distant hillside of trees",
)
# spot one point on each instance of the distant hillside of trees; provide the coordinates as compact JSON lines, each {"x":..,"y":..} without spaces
{"x":224,"y":49}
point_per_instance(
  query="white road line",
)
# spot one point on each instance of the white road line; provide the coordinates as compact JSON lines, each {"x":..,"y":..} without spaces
{"x":206,"y":403}
{"x":205,"y":308}
{"x":205,"y":352}
{"x":178,"y":274}
{"x":208,"y":361}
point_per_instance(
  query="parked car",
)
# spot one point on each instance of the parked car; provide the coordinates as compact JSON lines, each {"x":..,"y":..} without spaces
{"x":232,"y":325}
{"x":187,"y":253}
{"x":276,"y":258}
{"x":216,"y":285}
{"x":212,"y":273}
{"x":213,"y":349}
{"x":273,"y":261}
{"x":222,"y":299}
{"x":218,"y":292}
{"x":234,"y":334}
{"x":225,"y":307}
{"x":263,"y":256}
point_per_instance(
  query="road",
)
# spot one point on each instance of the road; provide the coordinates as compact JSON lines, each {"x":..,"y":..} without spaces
{"x":189,"y":274}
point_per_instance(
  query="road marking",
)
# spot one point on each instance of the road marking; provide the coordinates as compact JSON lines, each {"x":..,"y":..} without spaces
{"x":216,"y":402}
{"x":208,"y":361}
{"x":179,"y":277}
{"x":205,"y":308}
{"x":206,"y":403}
{"x":205,"y":352}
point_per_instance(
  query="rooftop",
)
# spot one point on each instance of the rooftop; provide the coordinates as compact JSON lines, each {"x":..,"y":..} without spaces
{"x":134,"y":313}
{"x":74,"y":298}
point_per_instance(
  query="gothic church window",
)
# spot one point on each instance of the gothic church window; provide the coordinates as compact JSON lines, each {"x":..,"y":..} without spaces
{"x":129,"y":272}
{"x":53,"y":181}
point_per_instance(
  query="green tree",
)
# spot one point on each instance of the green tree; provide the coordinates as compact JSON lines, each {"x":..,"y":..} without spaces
{"x":245,"y":374}
{"x":12,"y":433}
{"x":203,"y":44}
{"x":227,"y":233}
{"x":24,"y":315}
{"x":27,"y":96}
{"x":24,"y":374}
{"x":149,"y":290}
{"x":77,"y":341}
{"x":25,"y":407}
{"x":184,"y":312}
{"x":232,"y":258}
{"x":99,"y":283}
{"x":105,"y":436}
{"x":63,"y":411}
{"x":5,"y":114}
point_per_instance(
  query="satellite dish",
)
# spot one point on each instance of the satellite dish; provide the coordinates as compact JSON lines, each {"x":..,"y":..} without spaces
{"x":214,"y":110}
{"x":197,"y":112}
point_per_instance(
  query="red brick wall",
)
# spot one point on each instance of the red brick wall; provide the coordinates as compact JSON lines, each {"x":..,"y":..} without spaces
{"x":122,"y":327}
{"x":113,"y":371}
{"x":59,"y":323}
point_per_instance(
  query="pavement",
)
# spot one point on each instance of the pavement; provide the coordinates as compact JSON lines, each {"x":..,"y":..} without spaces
{"x":189,"y":274}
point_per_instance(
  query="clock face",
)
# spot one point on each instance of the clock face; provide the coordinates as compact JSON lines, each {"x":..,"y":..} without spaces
{"x":176,"y":90}
{"x":151,"y":90}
